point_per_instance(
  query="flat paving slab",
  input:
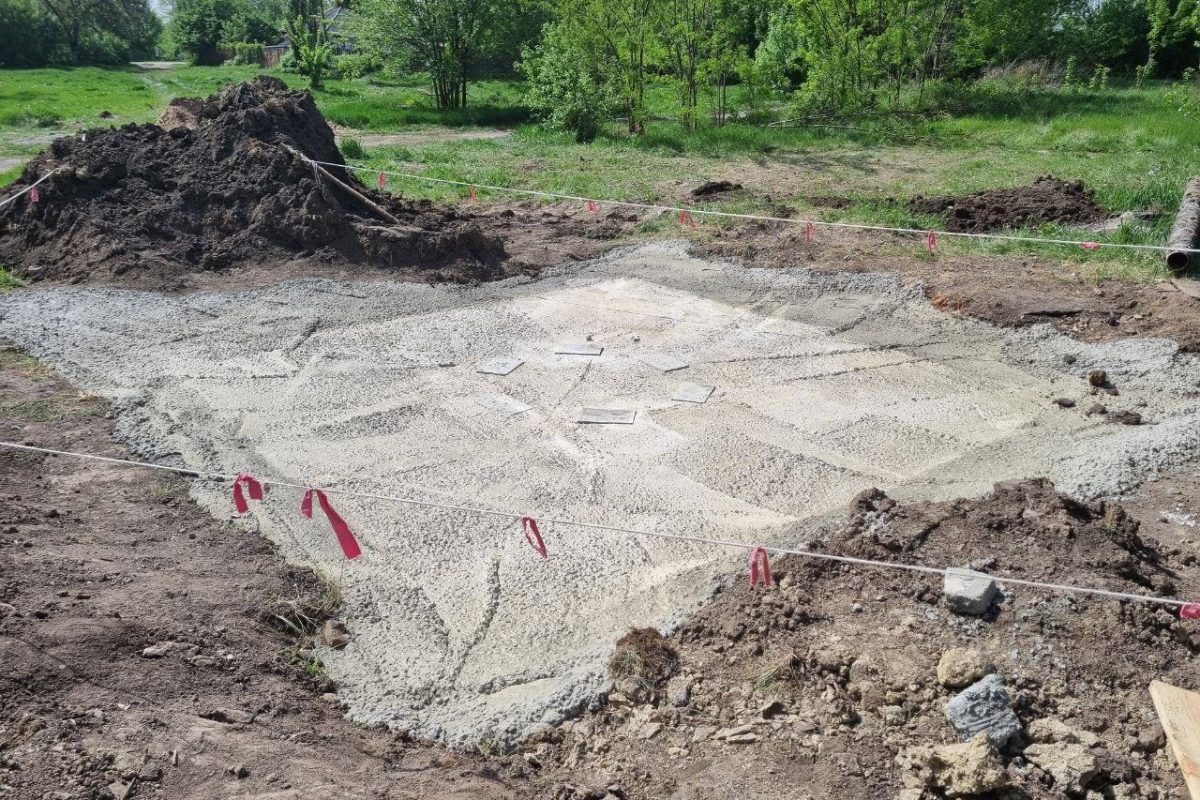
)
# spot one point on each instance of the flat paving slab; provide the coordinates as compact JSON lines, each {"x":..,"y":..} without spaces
{"x":829,"y":384}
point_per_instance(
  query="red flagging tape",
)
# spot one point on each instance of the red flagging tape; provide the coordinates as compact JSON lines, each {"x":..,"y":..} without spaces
{"x":344,"y":536}
{"x":808,"y":234}
{"x":685,"y":218}
{"x":1190,"y":611}
{"x":931,"y":242}
{"x":474,"y":199}
{"x":252,"y":485}
{"x":760,"y":568}
{"x":592,"y":206}
{"x":1090,"y":245}
{"x":534,"y":536}
{"x":382,"y":180}
{"x":34,"y":196}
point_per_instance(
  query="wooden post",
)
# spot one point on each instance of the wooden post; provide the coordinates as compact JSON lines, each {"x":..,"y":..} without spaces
{"x":1186,"y":230}
{"x":1179,"y":712}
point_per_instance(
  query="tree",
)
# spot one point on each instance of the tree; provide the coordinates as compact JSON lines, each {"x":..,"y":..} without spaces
{"x":197,"y":28}
{"x":688,"y":33}
{"x":28,"y":37}
{"x":102,"y":30}
{"x":310,"y":40}
{"x":616,"y":38}
{"x":562,"y":90}
{"x":444,"y":38}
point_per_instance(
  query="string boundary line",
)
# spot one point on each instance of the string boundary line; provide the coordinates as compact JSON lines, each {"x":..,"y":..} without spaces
{"x":759,"y":217}
{"x":27,"y":189}
{"x":866,"y":562}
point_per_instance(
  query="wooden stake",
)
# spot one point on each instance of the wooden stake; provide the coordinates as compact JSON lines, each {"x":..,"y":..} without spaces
{"x":345,"y":187}
{"x":1179,"y":712}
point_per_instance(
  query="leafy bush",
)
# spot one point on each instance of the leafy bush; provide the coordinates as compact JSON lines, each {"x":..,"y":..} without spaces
{"x":356,"y":65}
{"x":352,"y":149}
{"x":247,"y":53}
{"x":563,"y":91}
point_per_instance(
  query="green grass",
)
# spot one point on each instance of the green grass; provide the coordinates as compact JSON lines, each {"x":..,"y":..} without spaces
{"x":1134,"y":147}
{"x":9,"y":280}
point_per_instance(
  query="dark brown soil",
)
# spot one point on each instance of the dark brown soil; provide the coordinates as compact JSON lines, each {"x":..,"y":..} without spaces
{"x":714,"y":189}
{"x":1047,"y":200}
{"x":144,"y":205}
{"x":1004,"y":290}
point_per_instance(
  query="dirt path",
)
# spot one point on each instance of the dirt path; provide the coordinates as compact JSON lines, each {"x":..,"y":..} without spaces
{"x":99,"y":563}
{"x":420,"y":136}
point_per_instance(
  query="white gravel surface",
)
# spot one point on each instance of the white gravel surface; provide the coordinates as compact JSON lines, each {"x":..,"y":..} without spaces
{"x":825,"y":385}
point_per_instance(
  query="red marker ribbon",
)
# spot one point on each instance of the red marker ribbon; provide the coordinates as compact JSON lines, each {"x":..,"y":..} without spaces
{"x":760,"y":568}
{"x":931,"y":242}
{"x":474,"y":199}
{"x":592,"y":206}
{"x":252,"y":484}
{"x":808,"y":234}
{"x":1190,"y":611}
{"x":533,"y":535}
{"x":344,"y":535}
{"x":34,"y":196}
{"x":685,"y":218}
{"x":1090,"y":245}
{"x":382,"y":180}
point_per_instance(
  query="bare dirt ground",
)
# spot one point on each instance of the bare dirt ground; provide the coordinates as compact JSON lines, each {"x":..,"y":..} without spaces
{"x":99,"y":563}
{"x":417,"y":136}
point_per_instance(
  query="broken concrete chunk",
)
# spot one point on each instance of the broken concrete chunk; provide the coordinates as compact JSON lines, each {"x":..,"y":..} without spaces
{"x":984,"y":707}
{"x":968,"y":591}
{"x":953,"y":770}
{"x":1049,"y":730}
{"x":961,"y":666}
{"x":162,"y":649}
{"x":1071,"y":765}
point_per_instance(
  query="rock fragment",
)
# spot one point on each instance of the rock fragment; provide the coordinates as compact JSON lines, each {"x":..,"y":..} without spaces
{"x":961,"y":666}
{"x":1071,"y":765}
{"x":954,"y":770}
{"x":984,"y":707}
{"x":968,"y":592}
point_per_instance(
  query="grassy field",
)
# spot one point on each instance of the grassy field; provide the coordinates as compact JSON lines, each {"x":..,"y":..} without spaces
{"x":1134,"y":147}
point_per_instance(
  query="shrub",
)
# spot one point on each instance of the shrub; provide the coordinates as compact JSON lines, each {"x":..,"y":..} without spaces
{"x":351,"y":148}
{"x":356,"y":65}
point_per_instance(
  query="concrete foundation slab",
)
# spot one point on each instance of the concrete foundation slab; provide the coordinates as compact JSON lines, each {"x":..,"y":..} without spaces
{"x":829,"y":384}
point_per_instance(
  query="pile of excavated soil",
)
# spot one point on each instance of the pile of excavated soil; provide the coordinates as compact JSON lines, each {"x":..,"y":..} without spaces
{"x":223,"y":187}
{"x":1047,"y":200}
{"x":838,"y":679}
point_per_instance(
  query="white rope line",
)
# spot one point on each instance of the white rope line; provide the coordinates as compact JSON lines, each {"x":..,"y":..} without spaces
{"x":27,"y":189}
{"x":759,"y":217}
{"x":865,"y":562}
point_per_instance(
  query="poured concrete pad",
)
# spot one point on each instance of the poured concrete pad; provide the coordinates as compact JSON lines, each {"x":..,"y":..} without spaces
{"x":829,"y":384}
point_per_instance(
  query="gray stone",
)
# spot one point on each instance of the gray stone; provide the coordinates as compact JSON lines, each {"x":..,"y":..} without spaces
{"x":968,"y":591}
{"x":984,"y":707}
{"x":679,"y":691}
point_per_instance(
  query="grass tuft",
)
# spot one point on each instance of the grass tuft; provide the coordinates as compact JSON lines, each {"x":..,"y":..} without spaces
{"x":8,"y":280}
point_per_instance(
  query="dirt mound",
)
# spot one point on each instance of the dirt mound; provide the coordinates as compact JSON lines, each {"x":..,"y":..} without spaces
{"x":226,"y":189}
{"x":1047,"y":200}
{"x":839,"y":677}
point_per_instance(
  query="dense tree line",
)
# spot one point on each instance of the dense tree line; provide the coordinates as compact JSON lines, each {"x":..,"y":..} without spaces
{"x":35,"y":33}
{"x":587,"y":60}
